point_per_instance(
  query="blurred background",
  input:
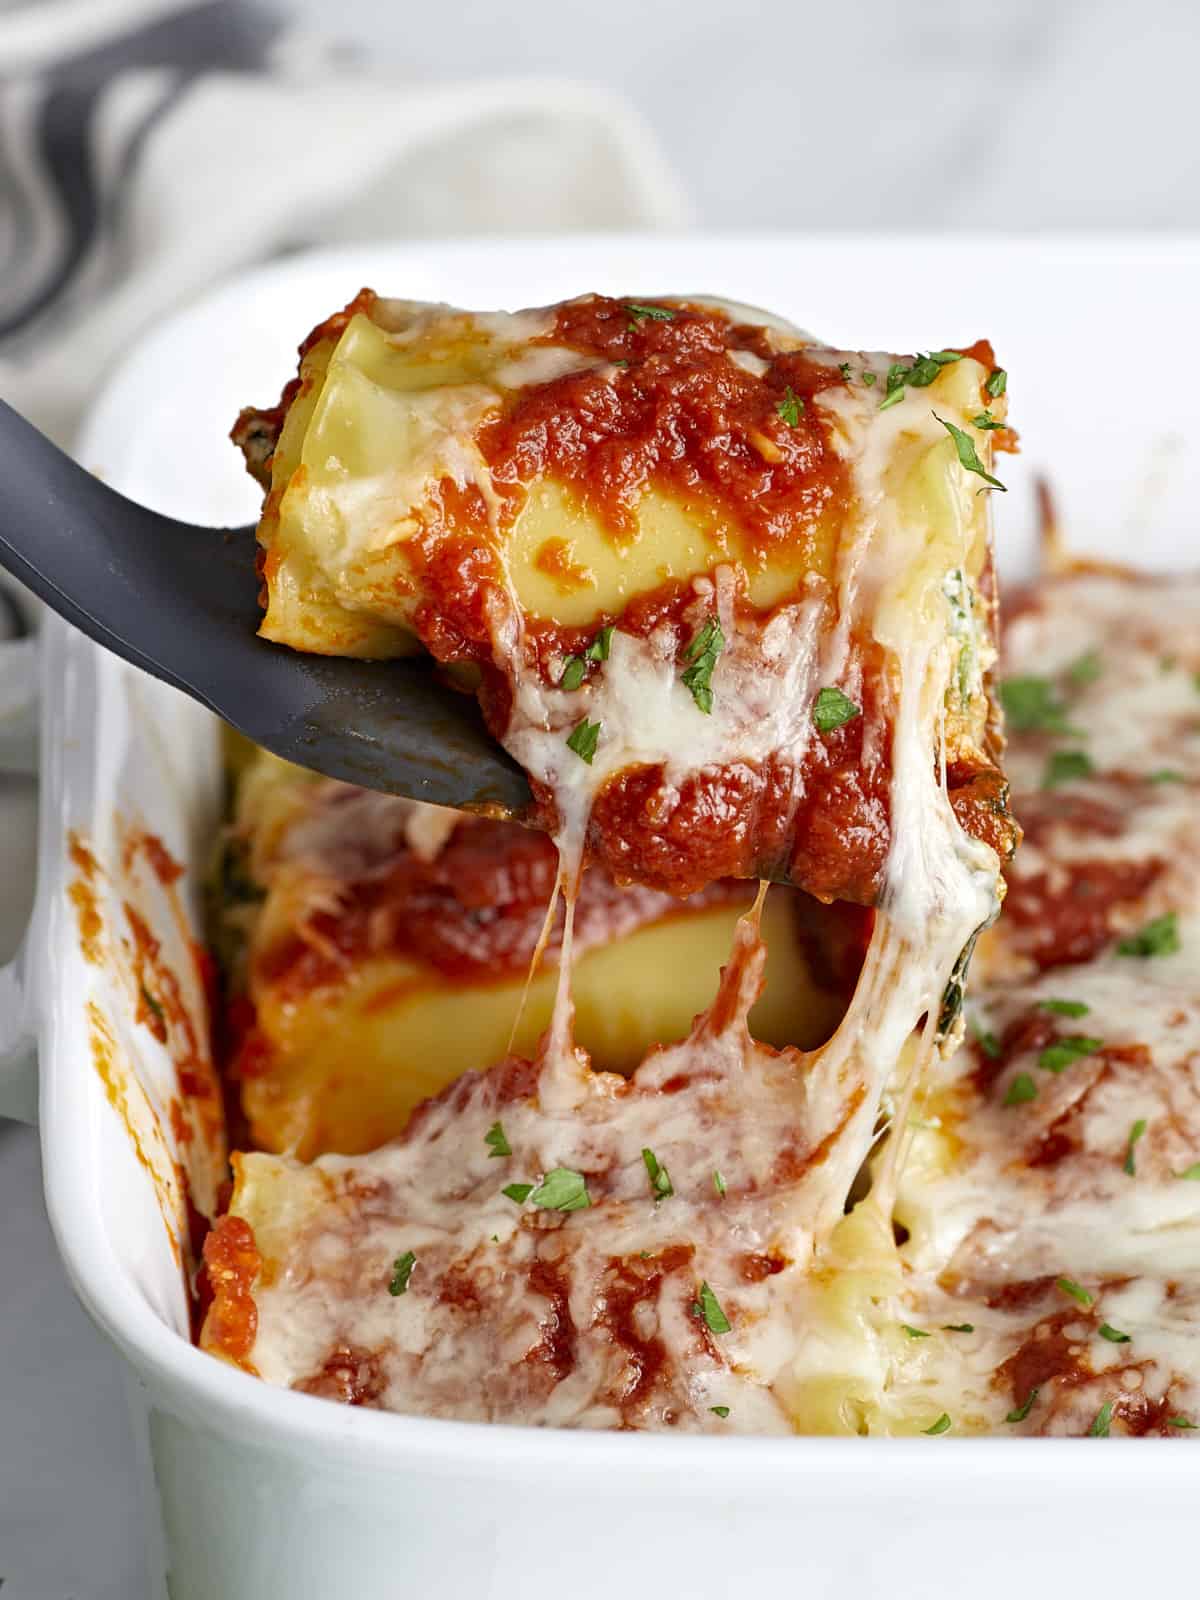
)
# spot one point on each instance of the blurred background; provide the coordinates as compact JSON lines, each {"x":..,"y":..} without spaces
{"x":149,"y":148}
{"x":896,"y":114}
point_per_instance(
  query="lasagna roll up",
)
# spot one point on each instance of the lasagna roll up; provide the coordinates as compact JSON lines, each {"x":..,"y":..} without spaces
{"x":688,"y":554}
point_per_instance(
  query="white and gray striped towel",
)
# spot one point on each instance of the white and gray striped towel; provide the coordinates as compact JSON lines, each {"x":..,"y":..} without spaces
{"x":148,"y":147}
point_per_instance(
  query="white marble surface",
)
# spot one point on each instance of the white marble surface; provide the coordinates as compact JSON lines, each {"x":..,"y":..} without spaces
{"x":872,"y":114}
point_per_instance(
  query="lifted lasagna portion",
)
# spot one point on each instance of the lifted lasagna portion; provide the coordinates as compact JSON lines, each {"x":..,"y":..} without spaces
{"x":726,"y":592}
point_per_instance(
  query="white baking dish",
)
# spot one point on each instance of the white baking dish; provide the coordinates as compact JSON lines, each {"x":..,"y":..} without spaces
{"x":268,"y":1494}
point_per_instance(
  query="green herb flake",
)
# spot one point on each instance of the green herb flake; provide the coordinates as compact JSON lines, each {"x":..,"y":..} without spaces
{"x":1021,"y":1090}
{"x":1190,"y":1174}
{"x":1158,"y":938}
{"x":575,"y":668}
{"x":719,"y":1182}
{"x":1129,"y":1165}
{"x":496,"y":1142}
{"x":942,"y":1425}
{"x":1076,"y":1291}
{"x":965,"y":446}
{"x":1166,"y":775}
{"x":1100,"y":1424}
{"x":703,"y":653}
{"x":869,"y":379}
{"x":660,"y":1178}
{"x":832,"y":709}
{"x":1057,"y":1057}
{"x":1064,"y":1008}
{"x":1065,"y":765}
{"x":989,"y":1044}
{"x":1032,"y":706}
{"x":844,"y":369}
{"x":1113,"y":1335}
{"x":897,"y":376}
{"x":154,"y":1005}
{"x":719,"y":1411}
{"x":601,"y":646}
{"x":573,"y":673}
{"x":1179,"y":1422}
{"x":1086,"y":669}
{"x":1024,"y":1409}
{"x":790,"y":407}
{"x":583,"y":739}
{"x":638,"y":314}
{"x":402,"y":1269}
{"x":709,"y":1307}
{"x":986,"y":422}
{"x":997,"y":382}
{"x":958,"y":1327}
{"x":562,"y":1190}
{"x":519,"y":1192}
{"x":914,"y":1333}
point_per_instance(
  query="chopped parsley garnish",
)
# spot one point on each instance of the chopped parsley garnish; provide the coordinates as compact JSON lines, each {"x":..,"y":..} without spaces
{"x":989,"y":1044}
{"x":1064,"y":1008}
{"x":573,"y":673}
{"x":1113,"y":1335}
{"x":155,"y":1007}
{"x":583,"y":739}
{"x":519,"y":1192}
{"x":997,"y":382}
{"x":1129,"y":1165}
{"x":1191,"y":1174}
{"x":1179,"y":1422}
{"x":1076,"y":1291}
{"x":790,"y":407}
{"x":1020,"y":1090}
{"x":1023,"y":1410}
{"x":958,"y":1327}
{"x":648,"y":314}
{"x":1064,"y":765}
{"x":1086,"y":669}
{"x":709,"y":1307}
{"x":844,"y":369}
{"x":914,"y":1333}
{"x":575,"y":668}
{"x":919,"y":376}
{"x":1032,"y":706}
{"x":402,"y":1269}
{"x":967,"y":455}
{"x":660,"y":1178}
{"x":1158,"y":938}
{"x":896,"y":375}
{"x":869,"y":379}
{"x":496,"y":1142}
{"x":719,"y":1182}
{"x":942,"y":1425}
{"x":987,"y":422}
{"x":562,"y":1190}
{"x":1166,"y":775}
{"x":832,"y":709}
{"x":1099,"y":1427}
{"x":702,"y":653}
{"x":1057,"y":1057}
{"x":719,"y":1411}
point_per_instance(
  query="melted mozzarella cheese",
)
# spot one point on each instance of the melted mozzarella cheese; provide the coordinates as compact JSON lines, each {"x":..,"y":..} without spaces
{"x":602,"y":1316}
